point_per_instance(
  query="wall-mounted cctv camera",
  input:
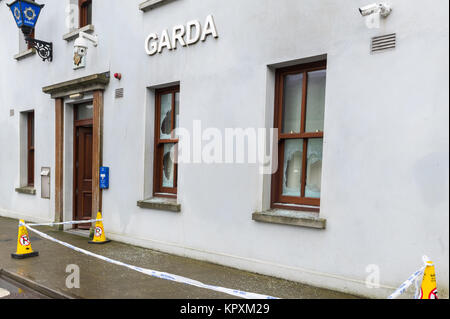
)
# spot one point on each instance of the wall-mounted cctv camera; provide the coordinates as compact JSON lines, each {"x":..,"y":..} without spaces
{"x":80,"y":48}
{"x":373,"y":13}
{"x":81,"y":43}
{"x":385,"y":10}
{"x":369,"y":9}
{"x":382,"y":8}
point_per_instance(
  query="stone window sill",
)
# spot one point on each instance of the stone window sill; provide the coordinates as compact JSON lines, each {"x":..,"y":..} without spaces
{"x":26,"y":190}
{"x":291,"y":217}
{"x":165,"y":204}
{"x":24,"y":54}
{"x":72,"y":35}
{"x":152,"y":4}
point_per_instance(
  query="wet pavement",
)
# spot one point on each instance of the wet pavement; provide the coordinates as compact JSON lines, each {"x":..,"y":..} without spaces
{"x":101,"y":280}
{"x":13,"y":290}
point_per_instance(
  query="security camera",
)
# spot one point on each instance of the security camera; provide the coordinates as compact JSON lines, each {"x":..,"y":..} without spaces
{"x":369,"y":9}
{"x":81,"y":46}
{"x":373,"y":14}
{"x":81,"y":43}
{"x":383,"y":9}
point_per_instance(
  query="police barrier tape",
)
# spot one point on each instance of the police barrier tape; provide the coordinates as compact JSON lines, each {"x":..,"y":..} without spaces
{"x":67,"y":223}
{"x":413,"y":278}
{"x":154,"y":273}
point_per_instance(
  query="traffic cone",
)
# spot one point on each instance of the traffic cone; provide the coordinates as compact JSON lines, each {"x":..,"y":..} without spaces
{"x":24,"y":249}
{"x":428,"y":289}
{"x":99,"y":232}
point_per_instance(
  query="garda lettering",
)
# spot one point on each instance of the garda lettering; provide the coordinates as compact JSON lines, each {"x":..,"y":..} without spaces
{"x":182,"y":35}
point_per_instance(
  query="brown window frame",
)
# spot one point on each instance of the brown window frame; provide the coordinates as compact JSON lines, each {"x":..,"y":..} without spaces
{"x":278,"y":200}
{"x":83,"y":7}
{"x":31,"y":36}
{"x":158,"y":189}
{"x":30,"y":148}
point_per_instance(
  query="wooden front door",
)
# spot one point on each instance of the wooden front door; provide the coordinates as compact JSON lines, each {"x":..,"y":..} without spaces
{"x":83,"y":161}
{"x":83,"y":175}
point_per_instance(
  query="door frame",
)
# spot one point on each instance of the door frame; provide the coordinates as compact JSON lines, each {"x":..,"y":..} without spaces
{"x":65,"y":139}
{"x":76,"y":125}
{"x":62,"y":92}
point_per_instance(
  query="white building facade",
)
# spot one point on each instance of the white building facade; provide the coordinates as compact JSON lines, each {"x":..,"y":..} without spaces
{"x":360,"y":184}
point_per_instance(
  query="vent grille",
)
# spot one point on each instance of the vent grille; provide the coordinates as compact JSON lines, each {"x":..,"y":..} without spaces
{"x":119,"y":93}
{"x":383,"y":43}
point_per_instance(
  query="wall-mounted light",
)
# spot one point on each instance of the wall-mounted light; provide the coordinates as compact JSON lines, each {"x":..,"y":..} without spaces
{"x":76,"y":96}
{"x":26,"y":14}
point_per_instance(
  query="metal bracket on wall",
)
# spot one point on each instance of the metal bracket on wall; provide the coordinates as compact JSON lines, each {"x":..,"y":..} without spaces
{"x":44,"y":49}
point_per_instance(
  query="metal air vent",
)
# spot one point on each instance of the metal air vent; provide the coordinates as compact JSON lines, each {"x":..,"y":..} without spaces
{"x":119,"y":93}
{"x":383,"y":43}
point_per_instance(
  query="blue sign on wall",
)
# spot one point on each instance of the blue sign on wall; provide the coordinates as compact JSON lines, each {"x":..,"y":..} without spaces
{"x":17,"y":12}
{"x":30,"y":14}
{"x":104,"y":177}
{"x":26,"y":13}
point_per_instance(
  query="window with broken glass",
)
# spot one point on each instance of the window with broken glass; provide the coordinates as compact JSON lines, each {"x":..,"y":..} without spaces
{"x":166,"y":142}
{"x":299,"y":117}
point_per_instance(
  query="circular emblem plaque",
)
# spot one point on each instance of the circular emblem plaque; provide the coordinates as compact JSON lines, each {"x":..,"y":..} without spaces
{"x":17,"y":13}
{"x":29,"y":13}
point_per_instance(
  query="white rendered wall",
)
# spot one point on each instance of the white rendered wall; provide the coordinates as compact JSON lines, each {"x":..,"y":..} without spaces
{"x":385,"y":166}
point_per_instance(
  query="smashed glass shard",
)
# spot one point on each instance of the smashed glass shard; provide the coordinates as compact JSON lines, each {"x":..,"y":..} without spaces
{"x":292,"y":175}
{"x":314,"y":168}
{"x":177,"y":110}
{"x":166,"y":116}
{"x":168,"y":166}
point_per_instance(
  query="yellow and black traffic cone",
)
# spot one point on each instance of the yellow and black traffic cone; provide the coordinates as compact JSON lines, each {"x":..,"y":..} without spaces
{"x":428,"y":290}
{"x":99,"y":232}
{"x":24,"y":249}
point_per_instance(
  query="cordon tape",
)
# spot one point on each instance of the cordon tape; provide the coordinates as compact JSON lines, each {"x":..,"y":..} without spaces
{"x":149,"y":272}
{"x":67,"y":223}
{"x":427,"y":289}
{"x":403,"y":287}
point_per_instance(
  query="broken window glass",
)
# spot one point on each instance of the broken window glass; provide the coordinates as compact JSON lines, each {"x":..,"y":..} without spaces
{"x":315,"y":105}
{"x":292,"y":175}
{"x":168,"y":165}
{"x":166,"y":116}
{"x":177,"y":110}
{"x":314,"y":168}
{"x":292,"y":103}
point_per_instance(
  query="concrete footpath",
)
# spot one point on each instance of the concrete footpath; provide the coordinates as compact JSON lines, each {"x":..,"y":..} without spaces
{"x":101,"y":280}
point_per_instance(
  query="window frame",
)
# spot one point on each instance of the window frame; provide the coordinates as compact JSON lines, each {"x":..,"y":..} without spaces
{"x":32,"y":35}
{"x":158,"y":189}
{"x":278,"y":200}
{"x":83,"y":6}
{"x":30,"y":148}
